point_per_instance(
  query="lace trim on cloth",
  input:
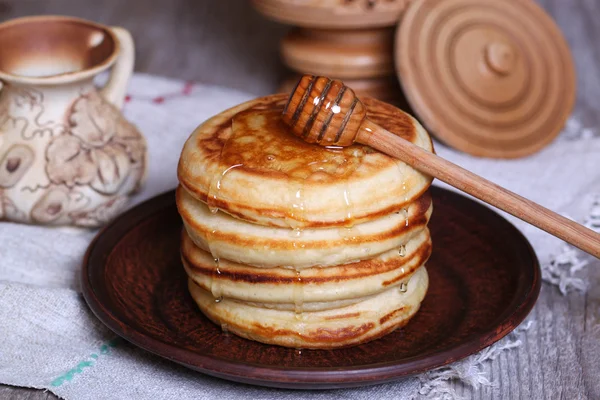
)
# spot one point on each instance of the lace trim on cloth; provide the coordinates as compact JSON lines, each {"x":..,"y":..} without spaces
{"x":561,"y":270}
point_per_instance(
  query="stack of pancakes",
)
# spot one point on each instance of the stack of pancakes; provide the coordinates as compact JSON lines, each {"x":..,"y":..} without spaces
{"x":299,"y":245}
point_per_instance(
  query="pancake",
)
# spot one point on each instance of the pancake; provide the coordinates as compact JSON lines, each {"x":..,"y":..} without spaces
{"x":265,"y":247}
{"x":354,"y":324}
{"x":244,"y":162}
{"x":280,"y":286}
{"x":299,"y":245}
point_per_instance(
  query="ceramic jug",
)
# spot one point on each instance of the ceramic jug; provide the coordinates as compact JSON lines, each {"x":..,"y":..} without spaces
{"x":67,"y":155}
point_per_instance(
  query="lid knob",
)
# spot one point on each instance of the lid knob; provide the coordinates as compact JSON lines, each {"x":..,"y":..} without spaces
{"x":500,"y":58}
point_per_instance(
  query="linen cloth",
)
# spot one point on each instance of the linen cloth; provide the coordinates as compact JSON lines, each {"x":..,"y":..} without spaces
{"x":49,"y":339}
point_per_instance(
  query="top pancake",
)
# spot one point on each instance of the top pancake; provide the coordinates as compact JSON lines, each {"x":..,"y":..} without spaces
{"x":245,"y":162}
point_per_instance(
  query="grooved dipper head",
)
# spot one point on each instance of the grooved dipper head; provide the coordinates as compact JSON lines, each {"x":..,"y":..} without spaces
{"x":324,"y":111}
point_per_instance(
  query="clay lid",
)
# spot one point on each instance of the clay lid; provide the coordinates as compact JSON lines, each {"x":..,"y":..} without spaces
{"x":492,"y":78}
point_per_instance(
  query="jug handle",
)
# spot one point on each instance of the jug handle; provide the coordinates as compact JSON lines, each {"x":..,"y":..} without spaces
{"x":115,"y":89}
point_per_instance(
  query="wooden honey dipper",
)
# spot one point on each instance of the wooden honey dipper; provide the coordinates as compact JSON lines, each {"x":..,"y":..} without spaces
{"x":326,"y":112}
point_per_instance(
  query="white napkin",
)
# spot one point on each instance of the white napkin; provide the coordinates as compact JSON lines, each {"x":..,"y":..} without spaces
{"x":49,"y":339}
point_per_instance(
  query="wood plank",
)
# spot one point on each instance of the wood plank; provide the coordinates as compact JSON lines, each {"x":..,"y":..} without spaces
{"x":13,"y":393}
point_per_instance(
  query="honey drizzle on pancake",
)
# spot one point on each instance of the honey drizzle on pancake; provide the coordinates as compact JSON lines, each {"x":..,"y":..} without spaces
{"x":215,"y":186}
{"x":349,"y":207}
{"x":260,"y":143}
{"x":263,"y":145}
{"x":403,"y":287}
{"x":399,"y":164}
{"x":348,"y":232}
{"x":297,"y":214}
{"x":215,"y":283}
{"x":402,"y":251}
{"x":212,"y":199}
{"x":299,"y":296}
{"x":405,"y":201}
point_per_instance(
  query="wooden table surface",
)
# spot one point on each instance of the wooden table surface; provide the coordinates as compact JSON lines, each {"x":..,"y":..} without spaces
{"x":229,"y":44}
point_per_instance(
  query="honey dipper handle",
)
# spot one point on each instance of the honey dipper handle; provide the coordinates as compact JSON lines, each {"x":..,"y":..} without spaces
{"x":375,"y":136}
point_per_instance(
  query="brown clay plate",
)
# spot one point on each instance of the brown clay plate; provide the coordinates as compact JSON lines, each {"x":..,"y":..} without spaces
{"x":484,"y":280}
